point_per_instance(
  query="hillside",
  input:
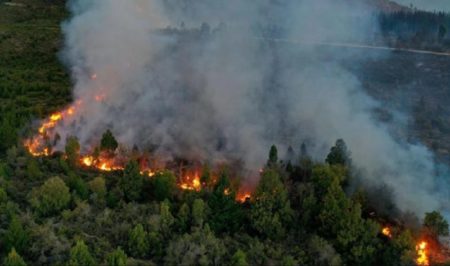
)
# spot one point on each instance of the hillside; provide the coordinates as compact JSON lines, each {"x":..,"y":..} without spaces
{"x":388,"y":6}
{"x":126,"y":206}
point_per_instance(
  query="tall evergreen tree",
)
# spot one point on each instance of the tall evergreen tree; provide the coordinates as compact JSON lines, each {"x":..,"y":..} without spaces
{"x":271,"y":211}
{"x":108,"y":142}
{"x":13,"y":259}
{"x":339,"y":154}
{"x":132,"y":181}
{"x":138,"y":245}
{"x":15,"y":237}
{"x":117,"y":258}
{"x":273,"y":156}
{"x":72,"y":150}
{"x":226,"y":213}
{"x":80,"y":255}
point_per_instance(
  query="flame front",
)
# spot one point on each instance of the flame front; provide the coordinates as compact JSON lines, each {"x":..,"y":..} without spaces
{"x":191,"y":182}
{"x":102,"y":163}
{"x":387,"y":232}
{"x":422,"y":254}
{"x":243,"y":197}
{"x":40,"y":145}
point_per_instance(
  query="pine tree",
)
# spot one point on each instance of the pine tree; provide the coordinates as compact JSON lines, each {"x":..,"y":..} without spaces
{"x":80,"y":255}
{"x":13,"y":259}
{"x":198,"y":212}
{"x":72,"y":150}
{"x":239,"y":259}
{"x":132,"y":181}
{"x":271,"y":211}
{"x":138,"y":245}
{"x":273,"y":156}
{"x":166,"y":219}
{"x":339,"y":154}
{"x":15,"y":237}
{"x":117,"y":258}
{"x":227,"y":213}
{"x":108,"y":142}
{"x":8,"y":135}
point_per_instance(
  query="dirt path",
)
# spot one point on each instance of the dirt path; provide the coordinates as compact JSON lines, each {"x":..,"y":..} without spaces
{"x":359,"y":46}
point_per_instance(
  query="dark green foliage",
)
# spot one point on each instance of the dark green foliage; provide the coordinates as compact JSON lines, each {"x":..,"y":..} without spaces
{"x":400,"y":250}
{"x":78,"y":186}
{"x":198,"y":212}
{"x":99,"y":190}
{"x":132,"y":182}
{"x":239,"y":259}
{"x":117,"y":258}
{"x":138,"y":245}
{"x":13,"y":259}
{"x":51,"y":197}
{"x":339,"y":154}
{"x":323,"y":226}
{"x":3,"y":196}
{"x":417,"y":29}
{"x":16,"y":237}
{"x":166,"y":219}
{"x":183,"y":218}
{"x":8,"y":134}
{"x":80,"y":255}
{"x":33,"y":172}
{"x":322,"y":252}
{"x":205,"y":178}
{"x":108,"y":142}
{"x":435,"y":223}
{"x":164,"y":185}
{"x":271,"y":210}
{"x":227,"y":214}
{"x":273,"y":156}
{"x":72,"y":150}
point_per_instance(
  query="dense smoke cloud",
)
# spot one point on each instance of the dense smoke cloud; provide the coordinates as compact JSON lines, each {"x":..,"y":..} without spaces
{"x":228,"y":90}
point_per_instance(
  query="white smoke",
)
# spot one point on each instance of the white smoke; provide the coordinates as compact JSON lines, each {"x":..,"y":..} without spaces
{"x":223,"y":92}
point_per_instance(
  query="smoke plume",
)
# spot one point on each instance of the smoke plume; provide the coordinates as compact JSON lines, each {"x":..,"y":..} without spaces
{"x":230,"y":88}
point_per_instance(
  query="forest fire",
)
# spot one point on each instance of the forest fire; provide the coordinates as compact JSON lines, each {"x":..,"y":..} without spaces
{"x":191,"y":182}
{"x":387,"y":231}
{"x":422,"y":254}
{"x":38,"y":145}
{"x":243,"y":197}
{"x":101,"y":163}
{"x":41,"y":145}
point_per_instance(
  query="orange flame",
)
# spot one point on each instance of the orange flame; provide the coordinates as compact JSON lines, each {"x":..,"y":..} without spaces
{"x":243,"y":197}
{"x":191,"y":182}
{"x":387,"y":232}
{"x":87,"y":161}
{"x":102,"y":163}
{"x":422,"y":254}
{"x":37,"y":145}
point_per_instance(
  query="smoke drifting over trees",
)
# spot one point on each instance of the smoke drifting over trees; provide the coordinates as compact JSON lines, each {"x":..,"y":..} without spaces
{"x":222,"y":92}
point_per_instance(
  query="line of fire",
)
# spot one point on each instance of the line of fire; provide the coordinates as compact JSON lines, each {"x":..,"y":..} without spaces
{"x":190,"y":175}
{"x":430,"y":250}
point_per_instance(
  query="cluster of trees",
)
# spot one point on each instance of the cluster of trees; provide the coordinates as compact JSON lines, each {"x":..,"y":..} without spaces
{"x":416,"y":29}
{"x":53,"y":213}
{"x":56,"y":213}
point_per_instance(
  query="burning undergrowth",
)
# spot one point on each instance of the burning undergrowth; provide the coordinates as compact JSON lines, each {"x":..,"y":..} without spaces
{"x":145,"y":70}
{"x":108,"y":156}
